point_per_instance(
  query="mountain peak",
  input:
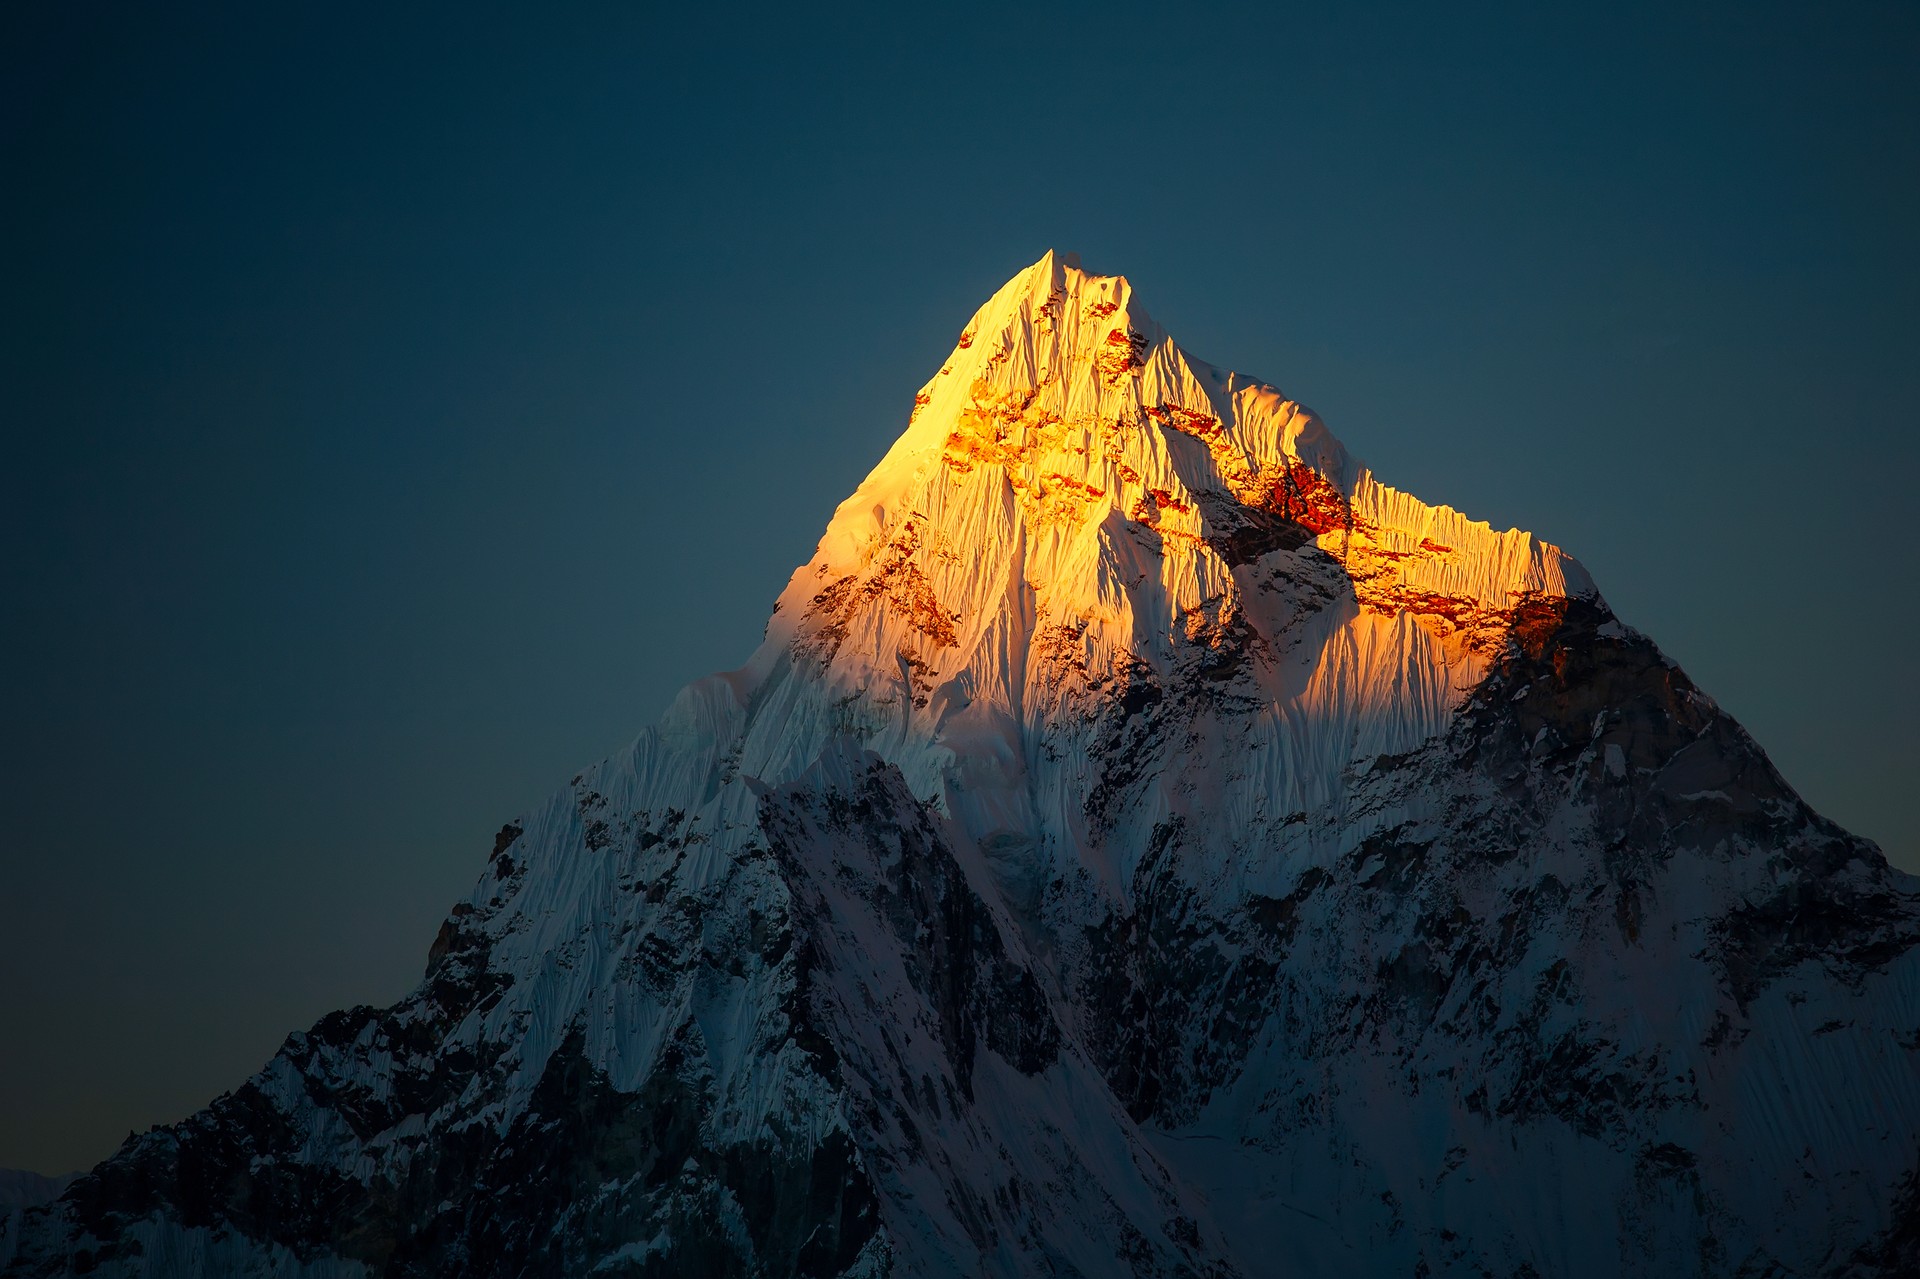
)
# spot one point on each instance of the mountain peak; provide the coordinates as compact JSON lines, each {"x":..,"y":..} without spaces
{"x":1062,"y":318}
{"x":1070,"y":471}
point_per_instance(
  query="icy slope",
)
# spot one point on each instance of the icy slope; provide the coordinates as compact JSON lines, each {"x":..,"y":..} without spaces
{"x":1143,"y":844}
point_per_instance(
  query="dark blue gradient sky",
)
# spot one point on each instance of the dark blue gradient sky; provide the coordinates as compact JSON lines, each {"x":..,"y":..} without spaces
{"x":400,"y":406}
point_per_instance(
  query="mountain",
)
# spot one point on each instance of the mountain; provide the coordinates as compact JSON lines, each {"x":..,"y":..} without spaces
{"x":21,"y":1190}
{"x":1144,"y":844}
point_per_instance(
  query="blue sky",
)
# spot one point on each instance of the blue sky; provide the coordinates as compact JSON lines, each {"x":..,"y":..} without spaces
{"x":402,"y":406}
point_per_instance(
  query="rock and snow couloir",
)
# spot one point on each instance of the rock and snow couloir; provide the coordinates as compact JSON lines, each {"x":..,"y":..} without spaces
{"x":1143,"y":844}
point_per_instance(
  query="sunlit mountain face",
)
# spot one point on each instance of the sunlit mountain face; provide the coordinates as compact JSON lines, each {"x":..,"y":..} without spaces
{"x":1145,"y":843}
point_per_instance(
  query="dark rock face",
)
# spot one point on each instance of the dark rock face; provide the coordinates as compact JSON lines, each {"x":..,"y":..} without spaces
{"x":1478,"y":946}
{"x":921,"y":986}
{"x":546,"y":1203}
{"x":1670,"y":775}
{"x":584,"y":1172}
{"x":954,"y":956}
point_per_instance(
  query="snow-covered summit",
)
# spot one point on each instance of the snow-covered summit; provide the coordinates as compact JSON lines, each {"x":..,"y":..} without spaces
{"x":1077,"y":502}
{"x":1063,"y":381}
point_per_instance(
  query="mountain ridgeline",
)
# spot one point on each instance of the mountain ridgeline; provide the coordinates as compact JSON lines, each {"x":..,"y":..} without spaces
{"x":1144,"y":844}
